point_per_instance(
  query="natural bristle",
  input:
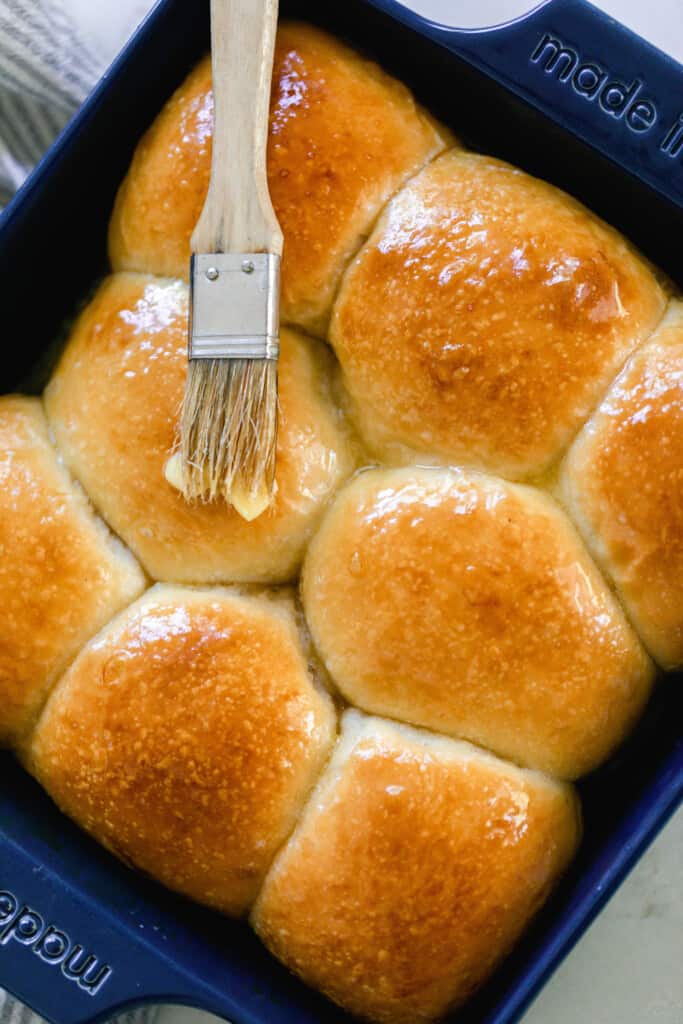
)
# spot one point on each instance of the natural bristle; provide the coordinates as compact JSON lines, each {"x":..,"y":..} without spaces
{"x":228,"y":434}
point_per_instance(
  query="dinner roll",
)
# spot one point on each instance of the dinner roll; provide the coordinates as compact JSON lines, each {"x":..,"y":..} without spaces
{"x":485,"y":317}
{"x":113,"y":405}
{"x":62,"y":574}
{"x":623,"y":483}
{"x":466,"y":604}
{"x":343,"y":137}
{"x":415,"y":866}
{"x":186,"y":737}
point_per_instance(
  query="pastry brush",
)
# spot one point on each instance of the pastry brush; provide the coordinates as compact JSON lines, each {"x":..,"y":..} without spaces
{"x":228,"y":422}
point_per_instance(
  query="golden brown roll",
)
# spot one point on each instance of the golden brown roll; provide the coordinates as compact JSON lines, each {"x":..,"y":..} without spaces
{"x":62,"y":574}
{"x":343,"y":137}
{"x":186,"y":737}
{"x":113,"y":405}
{"x":416,"y":864}
{"x":623,"y":483}
{"x":466,"y":604}
{"x":485,"y":317}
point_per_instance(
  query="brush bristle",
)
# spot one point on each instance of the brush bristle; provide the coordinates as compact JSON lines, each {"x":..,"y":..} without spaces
{"x":228,"y":433}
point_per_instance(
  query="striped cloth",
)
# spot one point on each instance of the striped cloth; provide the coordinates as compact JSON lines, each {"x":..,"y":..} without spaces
{"x":46,"y":71}
{"x":12,"y":1012}
{"x":51,"y":54}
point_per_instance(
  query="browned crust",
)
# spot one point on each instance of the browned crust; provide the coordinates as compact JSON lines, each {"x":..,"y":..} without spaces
{"x":62,"y":575}
{"x":414,"y":868}
{"x":186,"y":738}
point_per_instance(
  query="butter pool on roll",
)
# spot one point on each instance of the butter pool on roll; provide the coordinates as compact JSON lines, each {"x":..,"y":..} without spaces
{"x":416,"y":864}
{"x":344,"y":136}
{"x":460,"y":602}
{"x":186,"y":736}
{"x":623,"y":484}
{"x":485,"y":318}
{"x":62,"y":574}
{"x":113,"y":405}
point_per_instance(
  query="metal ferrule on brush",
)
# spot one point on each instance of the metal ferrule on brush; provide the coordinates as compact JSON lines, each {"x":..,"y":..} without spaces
{"x":234,"y":306}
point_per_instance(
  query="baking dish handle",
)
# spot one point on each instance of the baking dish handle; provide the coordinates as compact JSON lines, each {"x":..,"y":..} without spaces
{"x":64,"y":954}
{"x":589,"y":74}
{"x":68,"y":960}
{"x":85,"y":950}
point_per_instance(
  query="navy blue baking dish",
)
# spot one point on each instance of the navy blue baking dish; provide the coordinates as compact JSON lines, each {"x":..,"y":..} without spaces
{"x":566,"y":93}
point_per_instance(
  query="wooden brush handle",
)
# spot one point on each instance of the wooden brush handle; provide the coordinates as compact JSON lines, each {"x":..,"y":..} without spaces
{"x":238,"y":215}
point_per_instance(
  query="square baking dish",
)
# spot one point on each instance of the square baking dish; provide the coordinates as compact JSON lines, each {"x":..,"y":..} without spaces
{"x":536,"y":92}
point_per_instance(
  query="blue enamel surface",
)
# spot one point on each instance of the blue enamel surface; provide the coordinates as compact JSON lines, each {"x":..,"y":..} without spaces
{"x":56,"y":886}
{"x":573,"y":89}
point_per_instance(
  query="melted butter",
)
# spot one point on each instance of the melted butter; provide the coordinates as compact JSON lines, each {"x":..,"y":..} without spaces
{"x":203,"y":120}
{"x":249,"y":504}
{"x":450,"y":487}
{"x":160,"y":306}
{"x":292,"y":92}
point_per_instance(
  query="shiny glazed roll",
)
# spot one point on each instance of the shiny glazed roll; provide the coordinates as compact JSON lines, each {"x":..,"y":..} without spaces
{"x":460,"y":602}
{"x":62,"y":574}
{"x":113,"y":404}
{"x":623,"y":484}
{"x":186,"y":737}
{"x":485,"y":317}
{"x":344,"y":136}
{"x":416,"y":864}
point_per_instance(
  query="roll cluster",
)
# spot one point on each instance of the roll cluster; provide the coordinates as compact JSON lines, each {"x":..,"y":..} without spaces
{"x":356,"y":719}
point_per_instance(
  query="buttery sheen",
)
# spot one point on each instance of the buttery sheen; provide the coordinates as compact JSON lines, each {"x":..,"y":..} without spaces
{"x":113,"y":405}
{"x":344,"y":136}
{"x":466,"y":604}
{"x":485,"y":318}
{"x":415,"y":866}
{"x":186,"y":738}
{"x":623,"y":482}
{"x":62,"y":574}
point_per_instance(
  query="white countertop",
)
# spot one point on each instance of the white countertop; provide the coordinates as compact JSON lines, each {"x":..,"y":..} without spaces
{"x":628,"y":968}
